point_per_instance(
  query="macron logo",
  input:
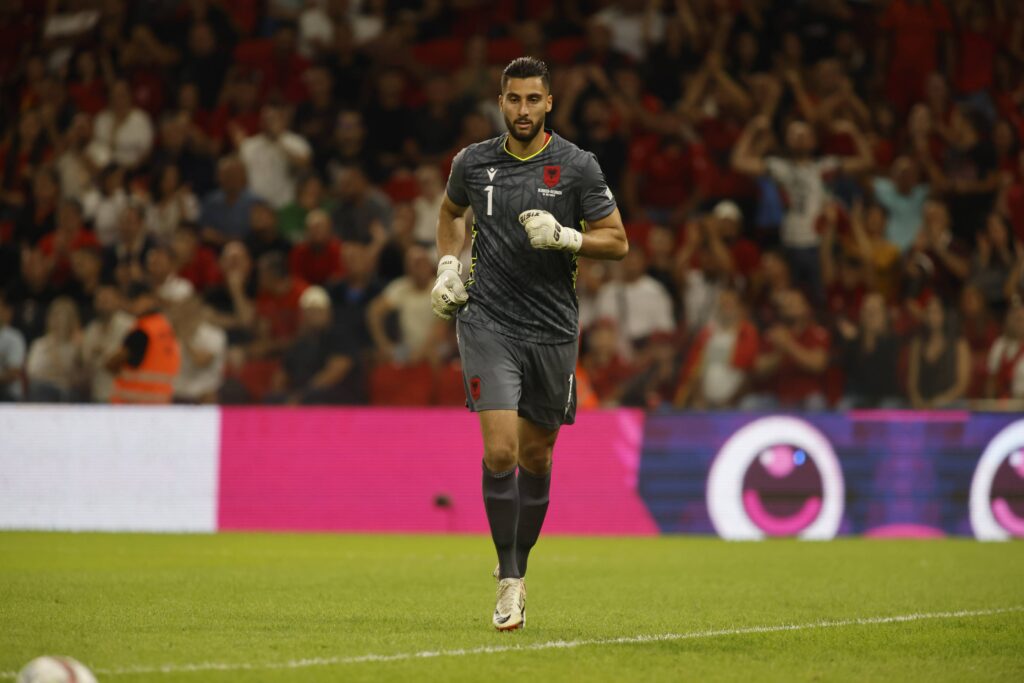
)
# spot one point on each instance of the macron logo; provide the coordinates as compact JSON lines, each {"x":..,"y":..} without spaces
{"x":491,"y":172}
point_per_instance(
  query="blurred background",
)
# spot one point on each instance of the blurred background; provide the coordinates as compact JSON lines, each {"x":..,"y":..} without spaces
{"x":269,"y":172}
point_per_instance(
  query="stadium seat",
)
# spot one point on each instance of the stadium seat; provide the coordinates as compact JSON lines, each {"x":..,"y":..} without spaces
{"x":443,"y":54}
{"x":401,"y":385}
{"x":448,"y":386}
{"x":564,"y":50}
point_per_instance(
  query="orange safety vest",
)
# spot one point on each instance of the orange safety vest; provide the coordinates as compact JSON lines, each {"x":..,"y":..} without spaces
{"x":153,"y":380}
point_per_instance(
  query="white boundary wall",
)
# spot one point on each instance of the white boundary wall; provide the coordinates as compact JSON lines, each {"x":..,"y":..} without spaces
{"x":102,"y":468}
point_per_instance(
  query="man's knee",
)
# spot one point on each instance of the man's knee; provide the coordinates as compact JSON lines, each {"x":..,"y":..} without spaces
{"x":535,"y":457}
{"x":500,"y":456}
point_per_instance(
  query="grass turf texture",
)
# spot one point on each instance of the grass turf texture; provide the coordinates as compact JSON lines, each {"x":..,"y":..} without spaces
{"x":121,"y":601}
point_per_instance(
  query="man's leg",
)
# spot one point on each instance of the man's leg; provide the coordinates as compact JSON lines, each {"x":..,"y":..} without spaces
{"x":501,"y":495}
{"x":536,"y":445}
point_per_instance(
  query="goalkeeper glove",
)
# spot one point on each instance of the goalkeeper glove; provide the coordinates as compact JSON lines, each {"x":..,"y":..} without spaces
{"x":448,"y":292}
{"x":545,"y":232}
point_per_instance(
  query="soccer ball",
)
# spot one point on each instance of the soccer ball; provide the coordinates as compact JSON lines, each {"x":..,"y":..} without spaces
{"x":55,"y":670}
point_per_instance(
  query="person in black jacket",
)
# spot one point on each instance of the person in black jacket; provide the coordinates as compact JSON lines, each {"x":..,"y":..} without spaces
{"x":869,"y":356}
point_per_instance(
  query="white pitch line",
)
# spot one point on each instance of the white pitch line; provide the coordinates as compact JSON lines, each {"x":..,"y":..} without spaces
{"x":531,"y":647}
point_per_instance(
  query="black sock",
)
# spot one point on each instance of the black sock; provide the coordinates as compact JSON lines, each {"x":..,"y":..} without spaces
{"x":533,"y":505}
{"x":501,"y":500}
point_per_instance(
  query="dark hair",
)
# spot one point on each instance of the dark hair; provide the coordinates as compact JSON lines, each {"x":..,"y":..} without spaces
{"x":526,"y":67}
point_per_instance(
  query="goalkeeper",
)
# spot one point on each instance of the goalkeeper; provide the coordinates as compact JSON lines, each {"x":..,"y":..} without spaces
{"x":539,"y":202}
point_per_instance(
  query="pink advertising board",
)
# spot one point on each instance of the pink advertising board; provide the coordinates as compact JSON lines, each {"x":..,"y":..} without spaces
{"x":376,"y":470}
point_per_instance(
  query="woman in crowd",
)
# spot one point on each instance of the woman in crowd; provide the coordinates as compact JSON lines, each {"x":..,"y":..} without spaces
{"x":940,"y":361}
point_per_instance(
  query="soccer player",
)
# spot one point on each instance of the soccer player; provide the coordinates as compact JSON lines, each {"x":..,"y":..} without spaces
{"x":539,"y":202}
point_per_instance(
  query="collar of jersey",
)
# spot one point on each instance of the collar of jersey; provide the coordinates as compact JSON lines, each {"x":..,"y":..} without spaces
{"x":547,"y":142}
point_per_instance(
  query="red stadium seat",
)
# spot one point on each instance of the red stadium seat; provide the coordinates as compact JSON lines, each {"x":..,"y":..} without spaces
{"x":564,"y":50}
{"x":444,"y":53}
{"x":503,"y":50}
{"x":401,"y":385}
{"x":448,"y":387}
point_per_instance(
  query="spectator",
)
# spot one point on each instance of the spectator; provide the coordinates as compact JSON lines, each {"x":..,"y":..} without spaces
{"x":428,"y":204}
{"x":937,"y":261}
{"x":104,"y":204}
{"x":194,"y":261}
{"x":913,"y":29}
{"x":980,"y":330}
{"x":225,"y":212}
{"x":316,"y":117}
{"x":264,"y":237}
{"x":993,"y":261}
{"x":291,"y":219}
{"x":24,"y":153}
{"x":69,"y":236}
{"x":126,"y":258}
{"x":277,"y":304}
{"x":162,"y":278}
{"x":717,"y":369}
{"x":792,"y":360}
{"x":801,"y":176}
{"x":361,"y":210}
{"x":204,"y":349}
{"x":273,"y":158}
{"x":12,"y":354}
{"x":87,"y":278}
{"x":940,"y":361}
{"x":31,"y":295}
{"x":101,"y":340}
{"x":149,"y":359}
{"x":1006,"y":359}
{"x":186,"y":147}
{"x":436,"y":123}
{"x":232,"y":303}
{"x":319,"y":366}
{"x":205,"y":63}
{"x":882,"y":257}
{"x":81,"y":159}
{"x":604,"y":364}
{"x":970,"y":174}
{"x":353,"y":294}
{"x":869,"y":358}
{"x":408,"y":298}
{"x":637,"y":302}
{"x":54,"y":367}
{"x":389,"y":122}
{"x":903,"y":197}
{"x":124,"y":129}
{"x":39,"y":216}
{"x":317,"y":259}
{"x":174,"y":204}
{"x":770,"y":281}
{"x":350,"y":148}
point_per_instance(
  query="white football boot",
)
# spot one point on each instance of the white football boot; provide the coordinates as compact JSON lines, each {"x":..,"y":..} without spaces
{"x":510,"y":611}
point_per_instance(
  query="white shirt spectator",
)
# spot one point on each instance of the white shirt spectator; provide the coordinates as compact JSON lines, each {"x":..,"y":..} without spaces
{"x":163,"y":219}
{"x":130,"y":141}
{"x":194,"y":382}
{"x":1005,"y":350}
{"x":271,"y":176}
{"x":100,"y":341}
{"x":721,"y":379}
{"x":316,"y":31}
{"x":806,"y":194}
{"x":12,"y":355}
{"x":699,"y":298}
{"x":76,"y":175}
{"x":629,"y":34}
{"x":104,"y":211}
{"x":415,"y":316}
{"x":426,"y":210}
{"x":641,"y":307}
{"x":54,"y":362}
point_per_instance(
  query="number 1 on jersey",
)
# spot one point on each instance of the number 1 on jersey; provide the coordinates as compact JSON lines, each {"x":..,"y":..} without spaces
{"x":490,"y":198}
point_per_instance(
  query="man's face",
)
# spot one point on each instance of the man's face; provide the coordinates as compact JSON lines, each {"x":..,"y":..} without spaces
{"x":316,"y":317}
{"x":524,"y":103}
{"x":800,"y":138}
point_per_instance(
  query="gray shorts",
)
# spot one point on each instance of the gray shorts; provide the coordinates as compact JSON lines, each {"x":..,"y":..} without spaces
{"x":501,"y":373}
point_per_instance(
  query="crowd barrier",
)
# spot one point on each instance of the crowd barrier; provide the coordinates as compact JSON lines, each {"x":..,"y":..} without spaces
{"x":740,"y":476}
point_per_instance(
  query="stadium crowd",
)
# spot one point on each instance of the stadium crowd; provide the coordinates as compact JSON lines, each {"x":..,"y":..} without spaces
{"x":825,"y":200}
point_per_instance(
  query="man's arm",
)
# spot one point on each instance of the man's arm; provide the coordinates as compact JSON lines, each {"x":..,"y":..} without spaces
{"x":864,"y":159}
{"x":744,"y":160}
{"x":605,"y":238}
{"x":451,"y":233}
{"x":376,"y":314}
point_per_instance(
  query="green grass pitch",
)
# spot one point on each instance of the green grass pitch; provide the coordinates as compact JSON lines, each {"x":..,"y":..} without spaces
{"x":254,"y":607}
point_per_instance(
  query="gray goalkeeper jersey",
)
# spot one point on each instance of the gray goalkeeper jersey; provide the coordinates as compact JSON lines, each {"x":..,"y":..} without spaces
{"x":514,"y":289}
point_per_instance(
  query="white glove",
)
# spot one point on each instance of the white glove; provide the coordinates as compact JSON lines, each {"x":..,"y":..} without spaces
{"x":545,"y":232}
{"x":448,"y":292}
